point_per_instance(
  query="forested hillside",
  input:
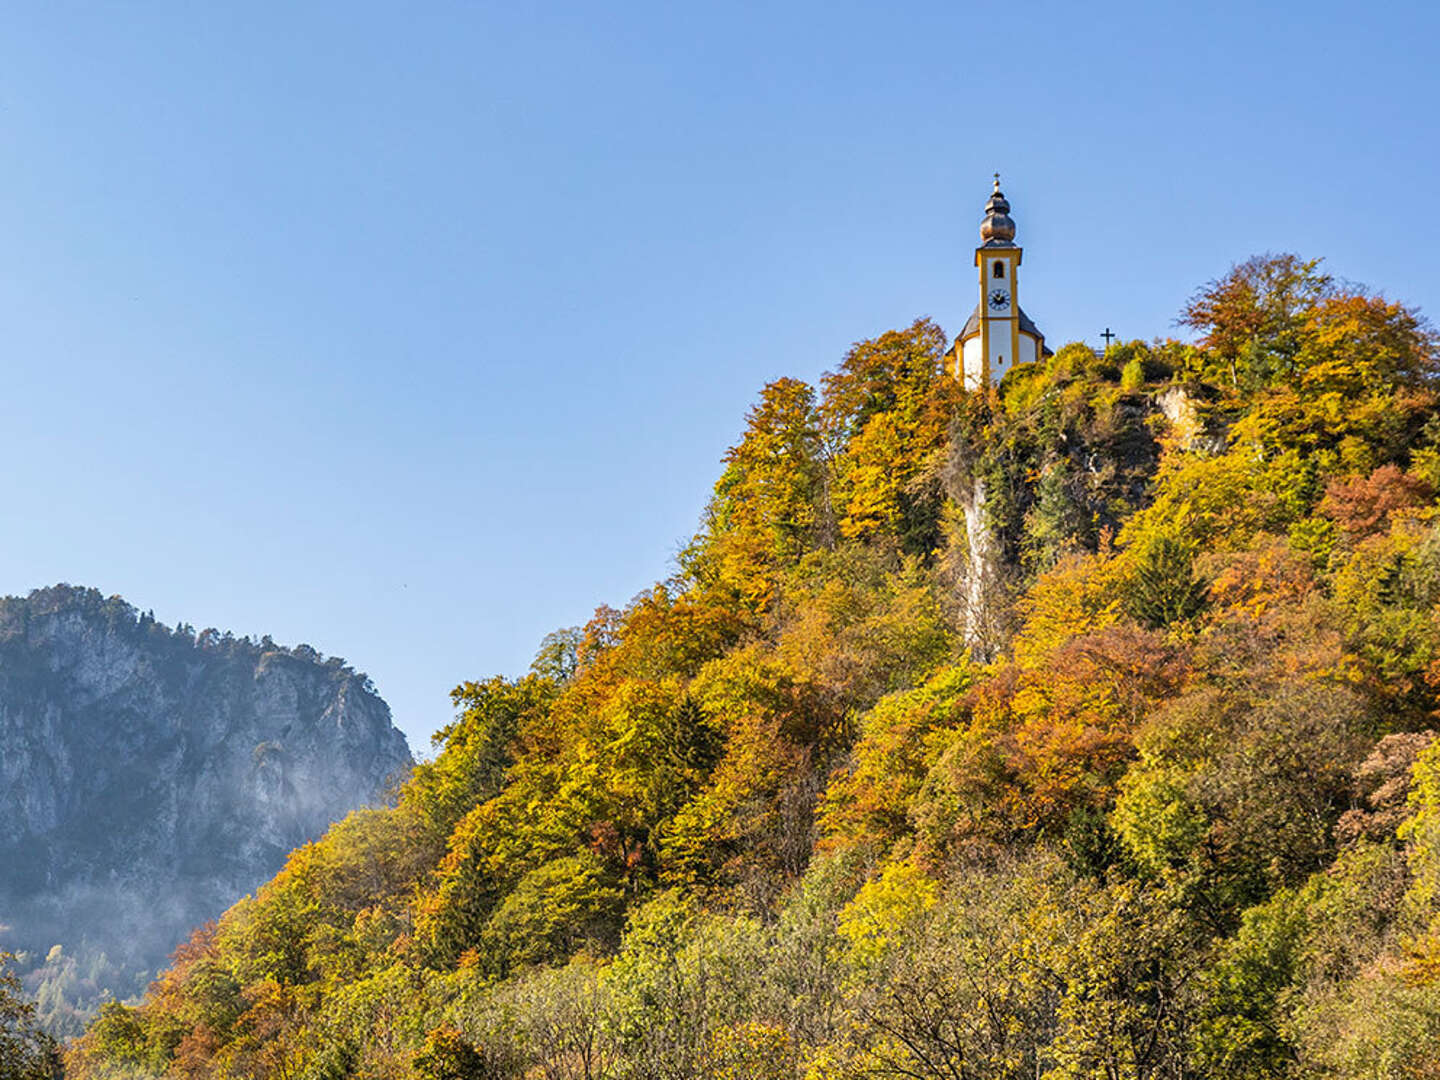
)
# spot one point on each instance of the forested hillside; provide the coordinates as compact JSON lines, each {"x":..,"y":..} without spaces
{"x":1076,"y":730}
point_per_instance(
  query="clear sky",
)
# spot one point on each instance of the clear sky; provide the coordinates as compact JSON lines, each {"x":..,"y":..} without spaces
{"x":415,"y":331}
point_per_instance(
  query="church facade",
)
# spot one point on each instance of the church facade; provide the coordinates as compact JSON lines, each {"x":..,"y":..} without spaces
{"x":999,"y":334}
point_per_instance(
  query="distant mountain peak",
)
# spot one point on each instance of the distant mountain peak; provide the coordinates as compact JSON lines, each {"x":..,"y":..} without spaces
{"x":151,"y":775}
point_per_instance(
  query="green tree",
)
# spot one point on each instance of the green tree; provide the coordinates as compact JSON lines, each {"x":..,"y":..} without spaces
{"x":1128,"y":1004}
{"x":1164,"y":590}
{"x":26,"y":1052}
{"x":558,"y":657}
{"x":478,"y":747}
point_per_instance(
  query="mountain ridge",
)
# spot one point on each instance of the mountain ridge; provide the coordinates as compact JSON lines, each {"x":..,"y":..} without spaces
{"x":150,"y":776}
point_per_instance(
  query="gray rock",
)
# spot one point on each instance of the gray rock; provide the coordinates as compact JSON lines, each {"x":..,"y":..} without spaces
{"x":149,"y":777}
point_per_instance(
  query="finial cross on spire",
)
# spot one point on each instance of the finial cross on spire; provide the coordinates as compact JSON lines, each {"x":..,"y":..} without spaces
{"x":997,"y":181}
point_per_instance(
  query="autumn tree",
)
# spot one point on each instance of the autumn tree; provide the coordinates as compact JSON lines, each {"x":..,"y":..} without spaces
{"x":885,"y":416}
{"x":1250,"y":319}
{"x":771,"y":504}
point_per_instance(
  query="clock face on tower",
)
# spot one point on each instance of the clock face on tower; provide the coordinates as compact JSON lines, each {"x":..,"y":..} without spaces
{"x":999,"y":299}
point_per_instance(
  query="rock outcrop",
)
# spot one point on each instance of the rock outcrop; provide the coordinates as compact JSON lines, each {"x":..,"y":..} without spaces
{"x":1055,"y":479}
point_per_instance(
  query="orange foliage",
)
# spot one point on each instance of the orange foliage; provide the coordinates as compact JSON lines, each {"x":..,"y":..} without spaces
{"x":1363,"y":506}
{"x":1252,"y":583}
{"x":1047,"y":739}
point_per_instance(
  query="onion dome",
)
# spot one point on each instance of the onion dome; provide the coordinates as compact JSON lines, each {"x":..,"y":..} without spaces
{"x":997,"y":230}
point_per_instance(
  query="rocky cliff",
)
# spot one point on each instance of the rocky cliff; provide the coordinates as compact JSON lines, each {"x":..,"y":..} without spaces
{"x":150,"y":776}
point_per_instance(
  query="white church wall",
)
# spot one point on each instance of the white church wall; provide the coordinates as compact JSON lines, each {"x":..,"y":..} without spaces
{"x":1002,"y":355}
{"x":1029,"y":350}
{"x":971,"y":361}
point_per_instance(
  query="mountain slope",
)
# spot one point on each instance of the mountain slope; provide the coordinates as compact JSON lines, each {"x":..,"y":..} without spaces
{"x":1081,"y":728}
{"x":150,"y":777}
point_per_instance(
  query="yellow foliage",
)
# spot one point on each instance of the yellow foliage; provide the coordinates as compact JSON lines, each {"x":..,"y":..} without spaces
{"x":1081,"y":594}
{"x":752,"y":1050}
{"x":883,"y":910}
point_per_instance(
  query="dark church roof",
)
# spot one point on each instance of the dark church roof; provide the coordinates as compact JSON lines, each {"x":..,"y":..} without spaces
{"x":972,"y":327}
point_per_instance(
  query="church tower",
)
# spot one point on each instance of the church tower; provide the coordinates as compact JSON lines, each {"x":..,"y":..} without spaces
{"x":999,"y":334}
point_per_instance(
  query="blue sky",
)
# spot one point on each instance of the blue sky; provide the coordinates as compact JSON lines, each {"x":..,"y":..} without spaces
{"x":416,"y":331}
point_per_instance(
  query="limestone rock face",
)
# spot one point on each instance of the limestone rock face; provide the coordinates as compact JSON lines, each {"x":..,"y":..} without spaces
{"x":1182,"y":411}
{"x":149,"y":777}
{"x":1072,"y":475}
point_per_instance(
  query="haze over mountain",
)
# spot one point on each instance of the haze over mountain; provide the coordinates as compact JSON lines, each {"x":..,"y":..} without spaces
{"x":151,"y":776}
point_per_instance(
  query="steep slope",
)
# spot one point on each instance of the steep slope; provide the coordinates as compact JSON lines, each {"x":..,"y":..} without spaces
{"x":149,"y":777}
{"x":1078,"y":728}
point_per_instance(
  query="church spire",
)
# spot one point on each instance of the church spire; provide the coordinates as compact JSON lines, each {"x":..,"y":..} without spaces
{"x":997,"y":230}
{"x":998,"y":335}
